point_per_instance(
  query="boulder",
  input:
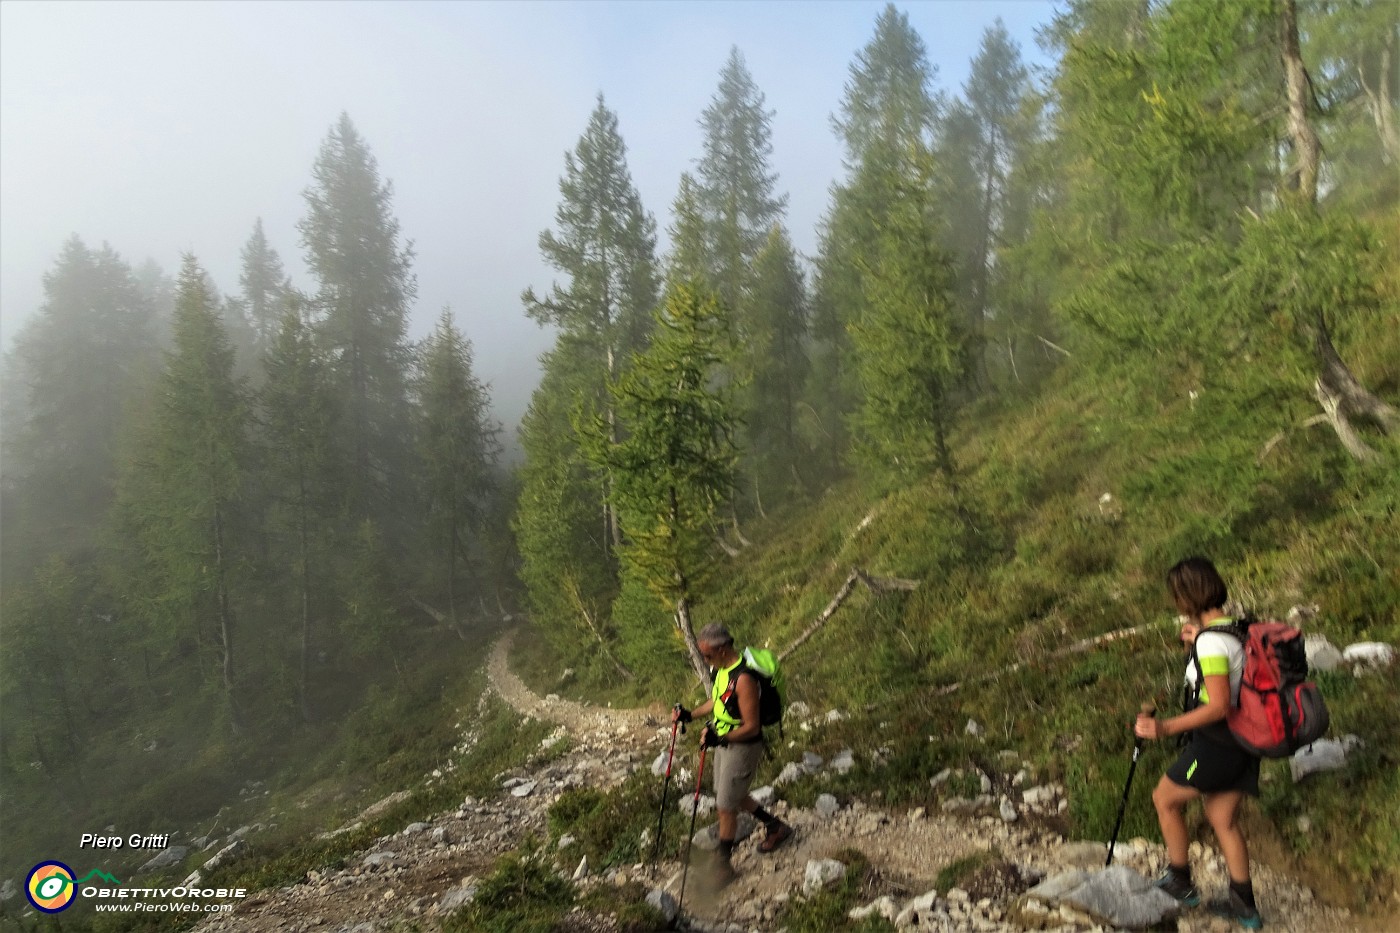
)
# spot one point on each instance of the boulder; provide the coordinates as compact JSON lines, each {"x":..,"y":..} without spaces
{"x":883,"y":906}
{"x":664,"y":904}
{"x":918,"y":912}
{"x":827,"y":806}
{"x":1117,"y":896}
{"x":456,"y":898}
{"x":820,"y":873}
{"x":1322,"y":755}
{"x":1322,"y":654}
{"x":171,"y":856}
{"x":1366,"y":656}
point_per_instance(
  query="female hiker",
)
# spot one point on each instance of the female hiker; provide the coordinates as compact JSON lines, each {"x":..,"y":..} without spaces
{"x":1211,"y":765}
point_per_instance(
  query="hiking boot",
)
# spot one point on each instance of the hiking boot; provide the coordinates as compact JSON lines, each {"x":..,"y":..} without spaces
{"x":1184,"y":891}
{"x":776,"y":836}
{"x":721,"y":873}
{"x":1233,"y":907}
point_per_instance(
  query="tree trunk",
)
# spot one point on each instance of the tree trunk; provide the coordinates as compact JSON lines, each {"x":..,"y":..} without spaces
{"x":225,"y":619}
{"x":304,"y":558}
{"x":1380,"y":103}
{"x":1307,"y":149}
{"x":1337,"y":389}
{"x":697,"y":662}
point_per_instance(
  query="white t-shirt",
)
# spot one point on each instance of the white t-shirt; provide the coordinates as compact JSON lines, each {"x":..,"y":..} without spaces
{"x":1219,"y":653}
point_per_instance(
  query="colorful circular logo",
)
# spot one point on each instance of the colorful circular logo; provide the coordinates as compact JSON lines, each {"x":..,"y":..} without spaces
{"x":50,"y":887}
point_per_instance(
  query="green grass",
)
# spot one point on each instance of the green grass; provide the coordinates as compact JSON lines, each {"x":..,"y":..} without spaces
{"x":1041,"y":563}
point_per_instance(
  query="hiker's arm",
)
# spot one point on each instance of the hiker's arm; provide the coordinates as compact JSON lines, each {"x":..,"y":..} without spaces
{"x":703,"y":710}
{"x":1216,"y":707}
{"x":747,"y":688}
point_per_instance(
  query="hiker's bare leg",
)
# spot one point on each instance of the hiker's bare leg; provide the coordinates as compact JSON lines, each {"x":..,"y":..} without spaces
{"x":728,"y":824}
{"x":1222,"y":810}
{"x":1170,"y":799}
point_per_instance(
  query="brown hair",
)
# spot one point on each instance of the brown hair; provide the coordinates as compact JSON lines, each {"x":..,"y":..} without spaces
{"x":1196,"y":586}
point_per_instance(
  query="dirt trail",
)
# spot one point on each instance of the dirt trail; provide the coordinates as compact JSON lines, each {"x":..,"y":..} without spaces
{"x":414,"y":875}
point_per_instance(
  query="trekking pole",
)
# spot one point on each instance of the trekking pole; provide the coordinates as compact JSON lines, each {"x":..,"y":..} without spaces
{"x":700,"y":773}
{"x":661,"y":816}
{"x":1147,"y":710}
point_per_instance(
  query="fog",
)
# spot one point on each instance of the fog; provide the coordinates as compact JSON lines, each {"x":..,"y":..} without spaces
{"x":163,"y":128}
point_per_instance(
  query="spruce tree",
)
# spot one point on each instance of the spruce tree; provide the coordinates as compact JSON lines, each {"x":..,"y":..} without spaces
{"x":365,"y":289}
{"x":73,"y":369}
{"x":779,"y":348}
{"x":180,"y":499}
{"x":458,"y":448}
{"x":300,"y":473}
{"x":888,"y":110}
{"x":605,"y":244}
{"x":265,"y":288}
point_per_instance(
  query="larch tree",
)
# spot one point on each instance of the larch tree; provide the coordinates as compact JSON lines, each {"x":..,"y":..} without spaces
{"x":674,"y":462}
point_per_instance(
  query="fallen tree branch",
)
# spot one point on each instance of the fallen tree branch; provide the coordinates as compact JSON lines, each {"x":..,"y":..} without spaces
{"x":1079,"y":647}
{"x":571,"y":586}
{"x":1332,"y":407}
{"x":440,"y":618}
{"x":874,"y":584}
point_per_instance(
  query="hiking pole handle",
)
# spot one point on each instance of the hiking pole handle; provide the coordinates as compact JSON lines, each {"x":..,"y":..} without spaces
{"x":1149,"y":710}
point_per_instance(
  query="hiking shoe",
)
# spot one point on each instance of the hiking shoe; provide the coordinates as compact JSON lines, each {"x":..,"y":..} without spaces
{"x":721,"y":873}
{"x":775,"y":837}
{"x":1233,"y":907}
{"x":1183,"y":891}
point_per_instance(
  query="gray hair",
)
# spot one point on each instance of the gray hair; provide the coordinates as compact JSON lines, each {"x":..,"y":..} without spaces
{"x":715,"y":634}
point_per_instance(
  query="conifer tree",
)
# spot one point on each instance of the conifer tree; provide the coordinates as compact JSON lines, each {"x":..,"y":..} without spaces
{"x":74,"y":366}
{"x":605,"y":244}
{"x":180,"y":499}
{"x":778,"y":345}
{"x":674,"y":462}
{"x":909,"y":345}
{"x":458,"y":447}
{"x":736,"y":188}
{"x":300,"y":472}
{"x":365,"y":289}
{"x":265,"y":287}
{"x":888,"y":109}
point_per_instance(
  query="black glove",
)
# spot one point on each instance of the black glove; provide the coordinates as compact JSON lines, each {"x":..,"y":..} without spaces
{"x":712,"y":739}
{"x":680,"y":714}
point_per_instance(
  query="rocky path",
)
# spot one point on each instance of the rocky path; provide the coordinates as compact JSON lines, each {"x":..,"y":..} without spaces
{"x":410,"y":879}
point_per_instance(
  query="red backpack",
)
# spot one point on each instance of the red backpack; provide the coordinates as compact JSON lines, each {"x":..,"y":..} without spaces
{"x":1279,"y":709}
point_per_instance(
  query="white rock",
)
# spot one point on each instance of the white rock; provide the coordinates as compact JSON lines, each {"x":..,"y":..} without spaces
{"x":456,"y":898}
{"x":827,"y":806}
{"x":1322,"y":654}
{"x":820,"y":873}
{"x":792,"y":771}
{"x":1322,"y":755}
{"x":764,"y":795}
{"x":940,"y":777}
{"x":1008,"y":810}
{"x":972,"y":727}
{"x":798,"y":710}
{"x":658,"y":767}
{"x":663,"y":903}
{"x":918,"y":911}
{"x":582,"y":871}
{"x":1368,"y":655}
{"x":835,"y":716}
{"x":811,"y":761}
{"x":566,"y":840}
{"x":883,"y":906}
{"x":844,"y":761}
{"x":524,"y":790}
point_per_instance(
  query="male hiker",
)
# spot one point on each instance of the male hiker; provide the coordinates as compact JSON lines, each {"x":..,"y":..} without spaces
{"x":735,"y":732}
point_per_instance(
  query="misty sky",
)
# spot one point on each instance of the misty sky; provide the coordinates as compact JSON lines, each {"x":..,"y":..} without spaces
{"x":167,"y":127}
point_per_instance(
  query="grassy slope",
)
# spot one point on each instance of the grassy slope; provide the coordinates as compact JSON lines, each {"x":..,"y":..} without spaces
{"x":1044,"y":564}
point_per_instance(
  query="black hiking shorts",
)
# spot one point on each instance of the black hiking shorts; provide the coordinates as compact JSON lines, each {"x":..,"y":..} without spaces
{"x":1213,"y":767}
